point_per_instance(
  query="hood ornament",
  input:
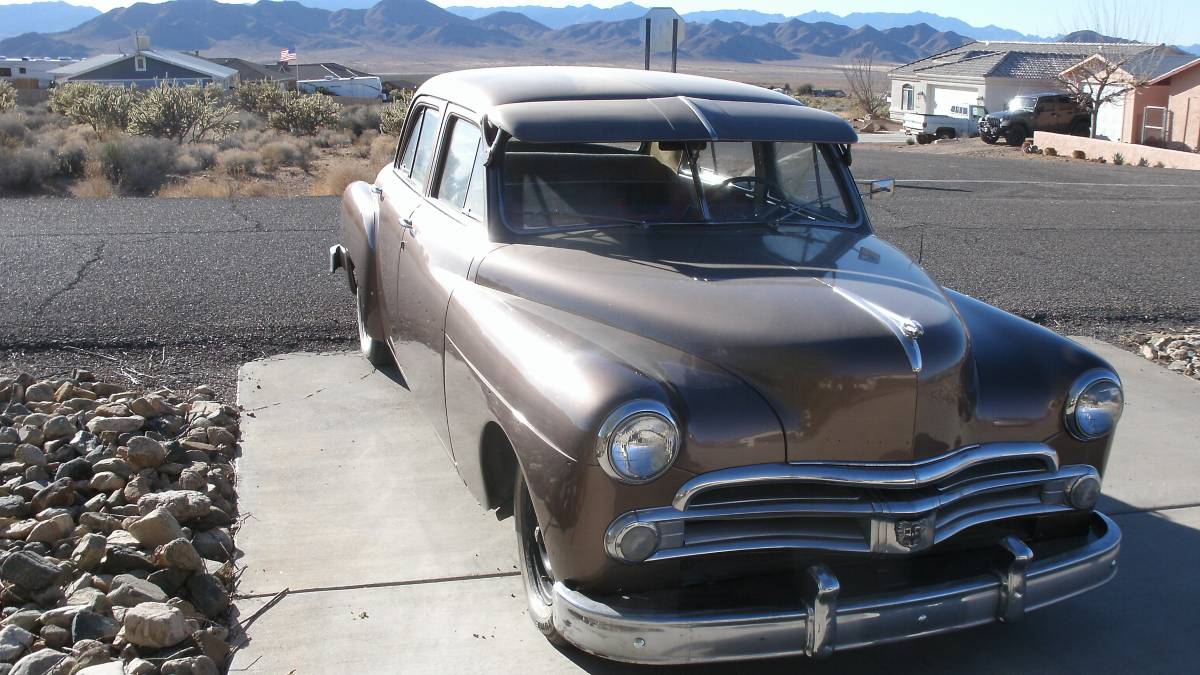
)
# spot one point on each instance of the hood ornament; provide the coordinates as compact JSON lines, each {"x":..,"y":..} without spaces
{"x":912,"y":329}
{"x":905,"y":329}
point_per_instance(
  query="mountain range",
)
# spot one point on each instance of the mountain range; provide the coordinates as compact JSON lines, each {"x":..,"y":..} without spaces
{"x":238,"y":29}
{"x":45,"y":16}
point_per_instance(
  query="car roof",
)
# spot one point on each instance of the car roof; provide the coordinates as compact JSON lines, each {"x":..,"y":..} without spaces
{"x":569,"y":103}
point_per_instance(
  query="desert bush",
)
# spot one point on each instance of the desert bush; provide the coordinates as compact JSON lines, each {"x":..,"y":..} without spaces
{"x":24,"y":169}
{"x":337,"y":176}
{"x":805,"y":89}
{"x":8,"y":96}
{"x":329,"y":138}
{"x":99,"y":106}
{"x":238,"y":163}
{"x":1050,"y":152}
{"x":910,"y":141}
{"x":188,"y":113}
{"x":1118,"y":159}
{"x":94,"y":184}
{"x":383,"y":151}
{"x":392,"y":115}
{"x":259,"y":96}
{"x":358,"y":118}
{"x":1143,"y":162}
{"x":1078,"y":154}
{"x":12,"y":129}
{"x":136,"y":164}
{"x":203,"y":154}
{"x":281,"y":153}
{"x":70,"y":157}
{"x":1159,"y":165}
{"x":304,"y":115}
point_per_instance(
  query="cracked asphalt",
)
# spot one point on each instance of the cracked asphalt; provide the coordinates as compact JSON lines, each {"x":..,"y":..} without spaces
{"x":182,"y":291}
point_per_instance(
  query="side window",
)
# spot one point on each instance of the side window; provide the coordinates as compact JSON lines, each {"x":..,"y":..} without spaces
{"x":461,"y":181}
{"x":410,"y":143}
{"x":417,"y":156}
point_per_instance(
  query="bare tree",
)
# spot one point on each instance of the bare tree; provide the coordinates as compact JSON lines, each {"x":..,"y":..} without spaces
{"x":1123,"y":57}
{"x":866,"y":87}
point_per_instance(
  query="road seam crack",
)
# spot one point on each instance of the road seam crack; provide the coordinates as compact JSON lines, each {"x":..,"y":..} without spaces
{"x":383,"y":584}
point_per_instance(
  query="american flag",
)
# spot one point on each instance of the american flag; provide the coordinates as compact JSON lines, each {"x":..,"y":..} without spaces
{"x":286,"y":55}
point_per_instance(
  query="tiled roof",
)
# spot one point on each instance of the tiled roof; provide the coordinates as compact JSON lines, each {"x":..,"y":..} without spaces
{"x":1030,"y":60}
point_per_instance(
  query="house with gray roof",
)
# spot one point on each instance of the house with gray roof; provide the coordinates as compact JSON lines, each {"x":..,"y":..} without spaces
{"x":145,"y":68}
{"x":990,"y":73}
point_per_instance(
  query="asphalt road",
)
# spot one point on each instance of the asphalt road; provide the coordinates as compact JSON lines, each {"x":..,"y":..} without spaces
{"x":186,"y":290}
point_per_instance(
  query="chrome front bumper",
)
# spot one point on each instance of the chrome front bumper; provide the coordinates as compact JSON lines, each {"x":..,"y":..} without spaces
{"x":821,"y":624}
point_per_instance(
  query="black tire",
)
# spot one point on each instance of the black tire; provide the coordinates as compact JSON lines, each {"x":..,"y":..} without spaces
{"x":988,"y":138}
{"x":1081,"y":128}
{"x":944,"y":134}
{"x":924,"y":139}
{"x":537,"y":575}
{"x":374,"y":350}
{"x":1015,"y":136}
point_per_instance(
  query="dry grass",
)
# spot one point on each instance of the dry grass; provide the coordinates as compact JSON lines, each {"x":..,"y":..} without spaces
{"x":93,"y":185}
{"x":334,"y":179}
{"x":217,"y":187}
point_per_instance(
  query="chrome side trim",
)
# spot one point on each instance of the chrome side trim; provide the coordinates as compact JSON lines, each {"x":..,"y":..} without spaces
{"x":905,"y":329}
{"x":604,"y":627}
{"x":864,"y":474}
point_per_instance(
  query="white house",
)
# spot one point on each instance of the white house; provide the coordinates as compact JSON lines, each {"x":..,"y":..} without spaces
{"x":30,"y":73}
{"x":987,"y":73}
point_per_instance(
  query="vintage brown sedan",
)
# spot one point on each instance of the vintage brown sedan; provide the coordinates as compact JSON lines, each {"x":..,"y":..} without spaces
{"x":647,"y":314}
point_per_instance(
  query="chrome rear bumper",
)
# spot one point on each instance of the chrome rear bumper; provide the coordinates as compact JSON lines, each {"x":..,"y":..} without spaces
{"x":822,"y":624}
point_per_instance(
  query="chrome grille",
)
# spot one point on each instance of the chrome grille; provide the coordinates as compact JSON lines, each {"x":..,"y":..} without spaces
{"x":857,"y":508}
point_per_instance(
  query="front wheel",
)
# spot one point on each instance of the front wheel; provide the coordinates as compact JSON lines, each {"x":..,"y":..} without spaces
{"x":375,"y":350}
{"x":924,"y":139}
{"x":537,"y":574}
{"x":988,"y":138}
{"x":1015,"y":136}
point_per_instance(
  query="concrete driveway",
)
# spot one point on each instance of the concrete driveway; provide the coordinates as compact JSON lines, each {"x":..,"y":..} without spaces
{"x":392,"y":567}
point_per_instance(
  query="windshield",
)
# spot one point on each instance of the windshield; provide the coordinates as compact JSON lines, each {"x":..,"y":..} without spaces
{"x":1021,"y":103}
{"x":671,"y":182}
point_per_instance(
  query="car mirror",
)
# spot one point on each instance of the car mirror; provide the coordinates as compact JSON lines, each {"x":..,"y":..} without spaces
{"x":884,"y":187}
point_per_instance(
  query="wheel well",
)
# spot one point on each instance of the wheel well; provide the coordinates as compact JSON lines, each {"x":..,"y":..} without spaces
{"x":498,"y":460}
{"x":947,"y":132}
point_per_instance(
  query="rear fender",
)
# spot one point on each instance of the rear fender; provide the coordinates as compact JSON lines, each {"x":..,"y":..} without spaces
{"x":359,"y":225}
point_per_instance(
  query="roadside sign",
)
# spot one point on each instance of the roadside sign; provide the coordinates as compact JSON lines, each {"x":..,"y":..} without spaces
{"x":663,"y":31}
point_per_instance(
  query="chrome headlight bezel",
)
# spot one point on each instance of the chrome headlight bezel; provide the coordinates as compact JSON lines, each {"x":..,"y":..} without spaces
{"x":623,"y":416}
{"x":1086,"y":382}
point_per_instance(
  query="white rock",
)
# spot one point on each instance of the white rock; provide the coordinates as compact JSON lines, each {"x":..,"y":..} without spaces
{"x":154,"y":624}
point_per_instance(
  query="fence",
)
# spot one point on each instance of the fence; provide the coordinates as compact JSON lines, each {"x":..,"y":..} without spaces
{"x":1095,"y":148}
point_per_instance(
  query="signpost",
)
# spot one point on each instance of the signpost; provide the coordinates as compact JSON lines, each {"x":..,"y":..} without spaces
{"x":664,"y":30}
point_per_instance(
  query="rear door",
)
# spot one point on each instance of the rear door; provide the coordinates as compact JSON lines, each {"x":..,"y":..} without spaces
{"x":447,"y":232}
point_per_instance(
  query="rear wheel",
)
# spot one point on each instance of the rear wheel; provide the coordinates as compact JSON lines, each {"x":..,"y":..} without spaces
{"x":375,"y":350}
{"x":924,"y":139}
{"x":1015,"y":136}
{"x":536,"y":570}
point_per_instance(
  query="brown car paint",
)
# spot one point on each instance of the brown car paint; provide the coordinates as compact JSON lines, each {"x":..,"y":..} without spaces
{"x":536,"y":338}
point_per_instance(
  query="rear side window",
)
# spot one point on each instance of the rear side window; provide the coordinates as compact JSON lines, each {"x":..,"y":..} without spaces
{"x":417,"y":157}
{"x":461,"y":182}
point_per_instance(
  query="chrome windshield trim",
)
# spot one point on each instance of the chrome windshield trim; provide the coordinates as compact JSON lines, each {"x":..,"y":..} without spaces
{"x":870,"y":474}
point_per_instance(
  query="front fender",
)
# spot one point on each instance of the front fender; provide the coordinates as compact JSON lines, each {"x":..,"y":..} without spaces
{"x":358,"y":221}
{"x":549,"y":378}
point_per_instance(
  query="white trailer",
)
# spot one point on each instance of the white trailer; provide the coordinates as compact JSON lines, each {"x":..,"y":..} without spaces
{"x":357,"y":87}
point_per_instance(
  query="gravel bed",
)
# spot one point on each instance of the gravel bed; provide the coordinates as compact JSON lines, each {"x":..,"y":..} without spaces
{"x":117,"y":513}
{"x":1177,"y":350}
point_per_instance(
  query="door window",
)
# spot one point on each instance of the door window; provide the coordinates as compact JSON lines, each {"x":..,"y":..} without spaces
{"x":417,"y":157}
{"x":462,"y":180}
{"x":906,"y":97}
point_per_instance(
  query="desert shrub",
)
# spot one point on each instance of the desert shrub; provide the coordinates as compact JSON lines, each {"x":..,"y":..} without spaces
{"x":1118,"y":159}
{"x":910,"y":141}
{"x":1159,"y":165}
{"x":1143,"y":162}
{"x":203,"y":154}
{"x":259,"y":96}
{"x":99,"y":106}
{"x":337,"y":176}
{"x":24,"y":169}
{"x":8,"y":96}
{"x":12,"y":129}
{"x":137,"y":164}
{"x":1050,"y":152}
{"x":392,"y":115}
{"x":238,"y":163}
{"x":304,"y":115}
{"x":1078,"y":154}
{"x":94,"y":184}
{"x":185,"y":164}
{"x":805,"y":89}
{"x":359,"y":118}
{"x":70,"y":157}
{"x":329,"y":138}
{"x":367,"y":137}
{"x":188,"y":113}
{"x":383,"y":151}
{"x":248,"y":120}
{"x":281,"y":153}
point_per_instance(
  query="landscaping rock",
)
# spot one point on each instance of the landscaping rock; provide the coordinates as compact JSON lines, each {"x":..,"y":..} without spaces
{"x":40,"y":662}
{"x":208,"y":594}
{"x":192,"y":665}
{"x":1179,"y":352}
{"x":179,"y":554}
{"x":185,"y":505}
{"x":143,"y":452}
{"x":154,"y":624}
{"x":14,"y":640}
{"x":129,"y":591}
{"x":120,"y":425}
{"x":93,"y":626}
{"x":30,"y":571}
{"x":156,"y":528}
{"x":89,"y":551}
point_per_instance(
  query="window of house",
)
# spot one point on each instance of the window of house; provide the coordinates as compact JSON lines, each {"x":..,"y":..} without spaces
{"x":139,"y":64}
{"x":906,"y":97}
{"x":417,"y":156}
{"x":5,"y":72}
{"x":21,"y":71}
{"x":461,"y":182}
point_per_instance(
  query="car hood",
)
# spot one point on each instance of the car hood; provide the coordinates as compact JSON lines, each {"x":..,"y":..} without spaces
{"x":812,"y":319}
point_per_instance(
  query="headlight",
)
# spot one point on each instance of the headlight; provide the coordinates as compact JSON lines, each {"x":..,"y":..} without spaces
{"x":1094,"y":405}
{"x":638,"y":442}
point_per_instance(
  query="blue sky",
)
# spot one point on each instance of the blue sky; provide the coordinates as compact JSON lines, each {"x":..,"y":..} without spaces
{"x":1176,"y":21}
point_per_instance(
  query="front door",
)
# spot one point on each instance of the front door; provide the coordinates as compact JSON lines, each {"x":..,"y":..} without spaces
{"x":446,"y":232}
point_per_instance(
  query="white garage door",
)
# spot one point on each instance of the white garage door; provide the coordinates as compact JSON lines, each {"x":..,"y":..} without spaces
{"x":1111,"y":119}
{"x":947,"y":99}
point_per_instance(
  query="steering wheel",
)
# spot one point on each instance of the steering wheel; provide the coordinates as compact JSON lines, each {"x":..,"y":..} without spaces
{"x":780,"y":194}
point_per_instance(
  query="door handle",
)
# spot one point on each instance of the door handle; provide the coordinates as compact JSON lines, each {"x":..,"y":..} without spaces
{"x":406,"y":223}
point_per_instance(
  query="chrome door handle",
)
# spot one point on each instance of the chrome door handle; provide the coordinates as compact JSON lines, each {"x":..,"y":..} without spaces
{"x":406,"y":223}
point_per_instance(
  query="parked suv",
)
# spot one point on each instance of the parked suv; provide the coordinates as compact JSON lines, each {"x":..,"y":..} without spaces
{"x":1037,"y":112}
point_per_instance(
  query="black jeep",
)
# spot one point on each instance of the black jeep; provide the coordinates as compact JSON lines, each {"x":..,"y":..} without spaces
{"x":1036,"y":112}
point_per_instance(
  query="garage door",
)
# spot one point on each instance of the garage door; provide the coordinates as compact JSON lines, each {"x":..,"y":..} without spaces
{"x":947,"y":98}
{"x":1111,"y":119}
